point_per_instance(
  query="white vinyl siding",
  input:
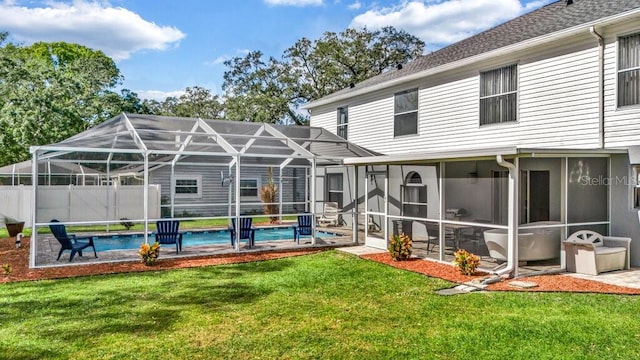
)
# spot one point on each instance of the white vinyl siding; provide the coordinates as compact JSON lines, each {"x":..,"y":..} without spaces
{"x":557,"y":107}
{"x":621,"y":123}
{"x":629,"y":70}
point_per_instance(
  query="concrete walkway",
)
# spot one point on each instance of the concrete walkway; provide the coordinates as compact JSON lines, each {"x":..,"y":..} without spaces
{"x":625,"y":278}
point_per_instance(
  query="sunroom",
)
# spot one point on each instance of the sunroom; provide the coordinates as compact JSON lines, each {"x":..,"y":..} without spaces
{"x":479,"y":199}
{"x":197,"y":171}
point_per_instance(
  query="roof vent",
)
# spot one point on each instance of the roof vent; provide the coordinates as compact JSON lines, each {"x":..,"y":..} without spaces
{"x":569,"y":2}
{"x":399,"y":66}
{"x":352,"y":85}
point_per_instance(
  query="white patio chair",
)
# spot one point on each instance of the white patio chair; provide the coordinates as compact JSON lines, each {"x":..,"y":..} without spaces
{"x":330,"y":214}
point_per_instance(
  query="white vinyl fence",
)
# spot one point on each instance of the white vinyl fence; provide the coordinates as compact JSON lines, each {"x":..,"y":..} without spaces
{"x":80,"y":203}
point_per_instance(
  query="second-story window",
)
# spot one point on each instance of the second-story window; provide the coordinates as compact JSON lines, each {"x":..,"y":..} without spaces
{"x":629,"y":70}
{"x":405,"y":118}
{"x":343,"y":122}
{"x":499,"y":95}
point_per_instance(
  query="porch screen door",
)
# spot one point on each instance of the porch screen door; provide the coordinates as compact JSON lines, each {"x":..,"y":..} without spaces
{"x":374,"y":221}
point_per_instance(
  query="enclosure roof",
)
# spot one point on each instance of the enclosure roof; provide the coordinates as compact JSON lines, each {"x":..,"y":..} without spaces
{"x":53,"y":168}
{"x":166,"y":138}
{"x":476,"y":153}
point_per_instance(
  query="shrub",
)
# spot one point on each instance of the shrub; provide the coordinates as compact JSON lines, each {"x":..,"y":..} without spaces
{"x":149,"y":253}
{"x":466,"y":261}
{"x":268,"y":195}
{"x":400,"y":247}
{"x":126,"y":223}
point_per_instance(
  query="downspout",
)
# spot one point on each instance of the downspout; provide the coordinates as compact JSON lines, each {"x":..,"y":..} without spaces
{"x":593,"y":32}
{"x":512,"y":231}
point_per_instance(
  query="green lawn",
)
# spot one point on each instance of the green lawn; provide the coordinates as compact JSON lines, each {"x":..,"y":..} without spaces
{"x":327,"y":305}
{"x":184,"y":224}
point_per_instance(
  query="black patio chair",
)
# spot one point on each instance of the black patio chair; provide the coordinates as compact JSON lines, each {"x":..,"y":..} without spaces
{"x":167,"y":233}
{"x":304,"y":227}
{"x":70,"y":241}
{"x":247,"y":232}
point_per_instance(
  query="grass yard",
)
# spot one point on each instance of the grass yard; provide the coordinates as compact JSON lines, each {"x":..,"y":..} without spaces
{"x":327,"y":305}
{"x":184,"y":225}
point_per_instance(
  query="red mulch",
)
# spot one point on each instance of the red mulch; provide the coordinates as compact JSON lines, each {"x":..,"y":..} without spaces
{"x":556,"y":283}
{"x":19,"y":261}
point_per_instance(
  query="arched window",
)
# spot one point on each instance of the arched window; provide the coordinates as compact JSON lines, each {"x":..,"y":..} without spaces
{"x":414,"y":196}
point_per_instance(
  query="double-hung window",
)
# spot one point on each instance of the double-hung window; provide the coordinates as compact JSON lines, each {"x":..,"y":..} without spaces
{"x":188,"y":186}
{"x":414,"y":196}
{"x":499,"y":95}
{"x":629,"y":70}
{"x":405,"y":118}
{"x":343,"y":122}
{"x":335,"y":188}
{"x":249,"y":188}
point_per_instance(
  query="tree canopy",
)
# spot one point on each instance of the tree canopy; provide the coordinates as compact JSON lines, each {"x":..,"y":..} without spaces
{"x":270,"y":90}
{"x":51,"y":91}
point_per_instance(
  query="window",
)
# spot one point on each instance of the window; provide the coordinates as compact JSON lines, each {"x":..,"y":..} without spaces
{"x":343,"y":122}
{"x":629,"y":70}
{"x":249,"y":188}
{"x":405,"y":119}
{"x":414,"y":196}
{"x":334,"y":188}
{"x":635,"y":186}
{"x":498,"y":95}
{"x":188,"y":186}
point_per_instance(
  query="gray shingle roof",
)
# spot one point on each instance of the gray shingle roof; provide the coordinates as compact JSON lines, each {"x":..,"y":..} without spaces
{"x":548,"y":19}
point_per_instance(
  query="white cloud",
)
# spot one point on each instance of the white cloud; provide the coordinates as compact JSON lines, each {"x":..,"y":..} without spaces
{"x":441,"y":22}
{"x":116,"y":31}
{"x":224,"y":57}
{"x":355,"y":6}
{"x":294,"y":2}
{"x":158,"y":95}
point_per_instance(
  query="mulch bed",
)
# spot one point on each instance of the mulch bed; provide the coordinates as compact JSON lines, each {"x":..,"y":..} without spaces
{"x":19,"y":261}
{"x":557,"y":283}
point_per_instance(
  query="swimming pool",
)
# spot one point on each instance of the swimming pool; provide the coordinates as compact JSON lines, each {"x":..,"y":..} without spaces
{"x":194,"y":238}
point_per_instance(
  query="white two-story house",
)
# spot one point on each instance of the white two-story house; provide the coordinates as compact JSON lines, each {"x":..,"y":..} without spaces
{"x":527,"y":128}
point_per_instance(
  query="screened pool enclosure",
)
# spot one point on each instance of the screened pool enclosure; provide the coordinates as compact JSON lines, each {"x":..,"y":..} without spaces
{"x":145,"y":168}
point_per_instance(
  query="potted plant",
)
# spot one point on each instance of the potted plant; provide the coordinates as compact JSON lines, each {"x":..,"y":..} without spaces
{"x":14,"y":227}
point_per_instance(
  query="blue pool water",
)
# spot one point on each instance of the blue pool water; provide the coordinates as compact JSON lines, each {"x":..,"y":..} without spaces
{"x":193,"y":238}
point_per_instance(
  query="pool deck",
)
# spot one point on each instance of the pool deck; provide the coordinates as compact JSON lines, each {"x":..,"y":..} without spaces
{"x":48,"y":248}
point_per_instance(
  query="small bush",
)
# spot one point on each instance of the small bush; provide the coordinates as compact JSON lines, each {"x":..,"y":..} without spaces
{"x":400,"y":247}
{"x":126,"y":223}
{"x":466,"y":261}
{"x":6,"y":269}
{"x":149,"y":253}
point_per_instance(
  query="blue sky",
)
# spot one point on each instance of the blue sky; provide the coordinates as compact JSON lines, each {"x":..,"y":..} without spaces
{"x":163,"y":46}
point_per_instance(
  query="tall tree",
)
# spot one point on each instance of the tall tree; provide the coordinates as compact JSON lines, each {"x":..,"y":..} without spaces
{"x":51,"y":91}
{"x":197,"y":101}
{"x":271,"y":90}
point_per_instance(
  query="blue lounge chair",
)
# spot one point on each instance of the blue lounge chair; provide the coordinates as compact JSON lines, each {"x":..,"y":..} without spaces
{"x":305,"y":227}
{"x":70,"y":241}
{"x":167,"y":233}
{"x":247,"y":232}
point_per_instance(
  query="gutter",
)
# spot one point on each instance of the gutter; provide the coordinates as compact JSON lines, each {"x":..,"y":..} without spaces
{"x":512,"y":231}
{"x":593,"y":32}
{"x":473,"y":59}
